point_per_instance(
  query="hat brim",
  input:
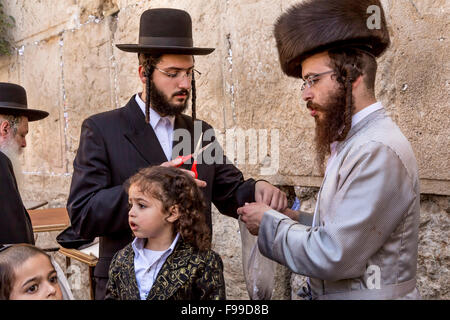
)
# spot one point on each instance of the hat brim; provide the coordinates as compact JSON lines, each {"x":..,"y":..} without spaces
{"x":163,"y":49}
{"x":31,"y":114}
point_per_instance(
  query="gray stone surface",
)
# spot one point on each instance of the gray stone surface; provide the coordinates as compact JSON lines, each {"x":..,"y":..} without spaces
{"x":65,"y":56}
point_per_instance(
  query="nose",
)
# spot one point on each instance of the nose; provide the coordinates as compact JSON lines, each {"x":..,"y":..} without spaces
{"x":50,"y":289}
{"x":185,"y":82}
{"x":131,"y":212}
{"x":24,"y":143}
{"x":307,"y":94}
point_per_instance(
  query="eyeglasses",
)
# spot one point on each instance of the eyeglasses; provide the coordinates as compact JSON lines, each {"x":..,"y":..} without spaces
{"x":180,"y":74}
{"x":312,"y":79}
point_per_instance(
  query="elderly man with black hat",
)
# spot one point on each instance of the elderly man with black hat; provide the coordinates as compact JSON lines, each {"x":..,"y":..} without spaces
{"x":364,"y":235}
{"x":15,"y":223}
{"x":116,"y":144}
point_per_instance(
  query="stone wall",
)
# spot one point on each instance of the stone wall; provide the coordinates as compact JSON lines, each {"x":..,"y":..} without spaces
{"x":65,"y":57}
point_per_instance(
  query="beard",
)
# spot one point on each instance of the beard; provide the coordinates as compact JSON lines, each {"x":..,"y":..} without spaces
{"x":13,"y":151}
{"x":329,"y":128}
{"x":161,"y":104}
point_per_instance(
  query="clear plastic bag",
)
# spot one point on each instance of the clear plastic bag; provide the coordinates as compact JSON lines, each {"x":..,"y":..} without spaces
{"x":259,"y":271}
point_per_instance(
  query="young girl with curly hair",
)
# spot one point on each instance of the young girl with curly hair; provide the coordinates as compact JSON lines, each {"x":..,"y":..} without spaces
{"x":171,"y":256}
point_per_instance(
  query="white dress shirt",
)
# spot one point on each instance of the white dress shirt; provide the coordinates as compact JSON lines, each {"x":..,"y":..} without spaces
{"x":148,"y":263}
{"x":163,"y":127}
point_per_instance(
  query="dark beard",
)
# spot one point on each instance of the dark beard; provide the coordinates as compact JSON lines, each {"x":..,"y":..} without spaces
{"x":328,"y":129}
{"x":161,"y":104}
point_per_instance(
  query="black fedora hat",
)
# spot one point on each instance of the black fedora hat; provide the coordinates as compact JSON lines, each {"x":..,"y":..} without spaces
{"x":13,"y":101}
{"x":165,"y":31}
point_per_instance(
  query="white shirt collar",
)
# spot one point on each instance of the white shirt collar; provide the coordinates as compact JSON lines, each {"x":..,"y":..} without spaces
{"x":357,"y":117}
{"x":154,"y":116}
{"x":138,"y":244}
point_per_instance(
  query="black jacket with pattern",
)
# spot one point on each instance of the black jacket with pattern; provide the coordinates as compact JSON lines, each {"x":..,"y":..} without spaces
{"x":187,"y":274}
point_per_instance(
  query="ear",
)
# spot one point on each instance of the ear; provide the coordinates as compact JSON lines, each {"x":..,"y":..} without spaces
{"x":357,"y":82}
{"x":142,"y":76}
{"x":5,"y":128}
{"x":174,"y":212}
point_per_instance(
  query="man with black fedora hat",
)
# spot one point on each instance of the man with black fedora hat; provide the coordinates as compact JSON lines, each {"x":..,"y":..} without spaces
{"x":116,"y":144}
{"x":15,"y":223}
{"x":363,"y":240}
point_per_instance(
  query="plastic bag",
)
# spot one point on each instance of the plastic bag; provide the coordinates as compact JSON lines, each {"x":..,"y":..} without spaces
{"x":259,"y":271}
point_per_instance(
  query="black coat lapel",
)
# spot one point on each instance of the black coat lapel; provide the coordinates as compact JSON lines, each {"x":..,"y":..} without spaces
{"x":142,"y":136}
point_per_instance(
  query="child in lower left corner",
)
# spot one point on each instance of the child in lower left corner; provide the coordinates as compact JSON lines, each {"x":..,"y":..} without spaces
{"x":171,"y":256}
{"x":29,"y":273}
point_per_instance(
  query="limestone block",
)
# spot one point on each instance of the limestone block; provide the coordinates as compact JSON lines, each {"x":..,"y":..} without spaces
{"x":34,"y":17}
{"x":433,"y":276}
{"x":125,"y":64}
{"x":124,"y":4}
{"x":416,"y":67}
{"x":9,"y":68}
{"x":264,"y":97}
{"x":40,"y":73}
{"x":227,"y":243}
{"x":51,"y":188}
{"x":96,"y":8}
{"x":87,"y":77}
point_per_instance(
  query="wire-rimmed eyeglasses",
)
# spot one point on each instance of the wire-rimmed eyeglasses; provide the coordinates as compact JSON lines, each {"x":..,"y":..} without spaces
{"x":181,"y":73}
{"x":312,"y":79}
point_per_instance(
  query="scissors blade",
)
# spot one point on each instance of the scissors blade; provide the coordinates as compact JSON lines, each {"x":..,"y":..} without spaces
{"x":197,"y":148}
{"x":203,"y":149}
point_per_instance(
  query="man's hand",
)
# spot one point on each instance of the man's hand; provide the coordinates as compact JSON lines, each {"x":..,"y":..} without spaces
{"x":176,"y":162}
{"x":270,"y":195}
{"x":252,"y":214}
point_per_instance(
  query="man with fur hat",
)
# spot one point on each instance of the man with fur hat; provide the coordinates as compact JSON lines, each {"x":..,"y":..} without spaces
{"x":15,"y":223}
{"x":114,"y":145}
{"x":364,"y":235}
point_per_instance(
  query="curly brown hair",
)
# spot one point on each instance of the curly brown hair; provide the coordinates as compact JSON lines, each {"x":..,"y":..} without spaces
{"x":173,"y":187}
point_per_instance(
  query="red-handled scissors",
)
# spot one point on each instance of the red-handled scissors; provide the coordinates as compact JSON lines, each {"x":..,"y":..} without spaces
{"x":194,"y":155}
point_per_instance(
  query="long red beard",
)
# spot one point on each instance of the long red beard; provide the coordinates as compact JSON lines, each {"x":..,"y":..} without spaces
{"x":328,"y":128}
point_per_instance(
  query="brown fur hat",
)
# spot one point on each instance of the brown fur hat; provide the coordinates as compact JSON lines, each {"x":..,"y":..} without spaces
{"x":313,"y":26}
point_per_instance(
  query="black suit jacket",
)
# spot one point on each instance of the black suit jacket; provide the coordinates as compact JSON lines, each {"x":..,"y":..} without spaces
{"x":113,"y":146}
{"x":187,"y":274}
{"x":15,"y":223}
